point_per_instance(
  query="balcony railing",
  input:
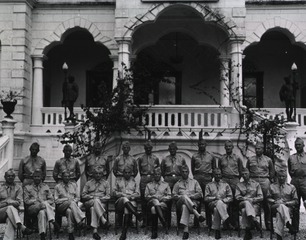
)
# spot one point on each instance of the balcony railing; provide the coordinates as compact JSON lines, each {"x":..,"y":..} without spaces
{"x":175,"y":116}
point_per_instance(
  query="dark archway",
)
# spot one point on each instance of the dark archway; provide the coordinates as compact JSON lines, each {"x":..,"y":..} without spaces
{"x":268,"y":62}
{"x":88,"y":62}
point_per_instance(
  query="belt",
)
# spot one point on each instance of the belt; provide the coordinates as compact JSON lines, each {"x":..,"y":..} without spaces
{"x":171,"y":175}
{"x":231,"y":177}
{"x":259,"y":177}
{"x":146,"y":175}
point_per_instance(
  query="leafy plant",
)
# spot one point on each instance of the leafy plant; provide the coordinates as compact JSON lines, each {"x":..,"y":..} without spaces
{"x":11,"y":95}
{"x":117,"y":114}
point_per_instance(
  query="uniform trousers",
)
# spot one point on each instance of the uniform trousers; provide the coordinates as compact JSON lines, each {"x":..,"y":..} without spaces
{"x":43,"y":215}
{"x":9,"y":214}
{"x":247,"y":210}
{"x":73,"y":213}
{"x":97,"y":209}
{"x":282,"y":217}
{"x":186,"y":206}
{"x":219,"y":209}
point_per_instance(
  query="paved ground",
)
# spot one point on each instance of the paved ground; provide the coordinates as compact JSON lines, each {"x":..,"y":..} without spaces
{"x":132,"y":235}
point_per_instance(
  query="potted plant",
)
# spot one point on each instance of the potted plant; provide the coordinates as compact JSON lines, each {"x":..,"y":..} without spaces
{"x":9,"y":100}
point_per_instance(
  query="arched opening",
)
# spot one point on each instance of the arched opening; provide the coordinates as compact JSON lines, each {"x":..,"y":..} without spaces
{"x":266,"y":64}
{"x":186,"y":49}
{"x":87,"y":61}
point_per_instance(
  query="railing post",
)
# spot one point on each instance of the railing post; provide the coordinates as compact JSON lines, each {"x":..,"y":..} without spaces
{"x":8,"y":126}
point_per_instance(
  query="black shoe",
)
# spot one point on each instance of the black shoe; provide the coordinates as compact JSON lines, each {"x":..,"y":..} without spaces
{"x":292,"y":230}
{"x":56,"y":227}
{"x":71,"y":237}
{"x":217,"y":234}
{"x":107,"y":225}
{"x":139,"y":217}
{"x":96,"y":236}
{"x":42,"y":236}
{"x":185,"y":235}
{"x":123,"y":235}
{"x":247,"y":235}
{"x":278,"y":237}
{"x":201,"y":218}
{"x":27,"y":231}
{"x":154,"y":235}
{"x":257,"y":225}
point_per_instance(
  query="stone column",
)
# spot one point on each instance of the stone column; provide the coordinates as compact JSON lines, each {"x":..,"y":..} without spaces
{"x":236,"y":69}
{"x":8,"y":126}
{"x":123,"y":53}
{"x":37,"y":93}
{"x":224,"y":81}
{"x":114,"y":58}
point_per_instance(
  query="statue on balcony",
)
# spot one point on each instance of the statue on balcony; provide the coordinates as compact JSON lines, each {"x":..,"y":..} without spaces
{"x":70,"y":94}
{"x":287,"y":95}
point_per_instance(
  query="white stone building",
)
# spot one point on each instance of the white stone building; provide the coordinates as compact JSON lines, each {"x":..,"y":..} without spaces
{"x":248,"y":44}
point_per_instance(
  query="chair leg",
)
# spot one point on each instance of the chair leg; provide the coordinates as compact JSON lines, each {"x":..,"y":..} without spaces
{"x":50,"y":232}
{"x":272,"y":227}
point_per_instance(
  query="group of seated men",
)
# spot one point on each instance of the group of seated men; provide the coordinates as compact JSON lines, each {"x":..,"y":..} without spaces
{"x":215,"y":180}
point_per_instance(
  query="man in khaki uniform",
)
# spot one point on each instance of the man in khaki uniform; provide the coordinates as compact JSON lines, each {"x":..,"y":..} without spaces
{"x":171,"y":165}
{"x":146,"y":163}
{"x":28,"y":165}
{"x":126,"y":191}
{"x":249,"y":195}
{"x":283,"y":198}
{"x":66,"y":196}
{"x":125,"y":160}
{"x":218,"y":195}
{"x":67,"y":163}
{"x":38,"y":200}
{"x":262,"y":171}
{"x":297,"y":171}
{"x":95,"y":159}
{"x":187,"y":192}
{"x":96,"y":193}
{"x":231,"y":166}
{"x":158,"y":195}
{"x":10,"y":201}
{"x":202,"y":165}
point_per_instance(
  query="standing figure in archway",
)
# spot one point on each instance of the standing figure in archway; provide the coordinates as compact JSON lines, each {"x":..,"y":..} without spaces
{"x":287,"y":95}
{"x":70,"y":95}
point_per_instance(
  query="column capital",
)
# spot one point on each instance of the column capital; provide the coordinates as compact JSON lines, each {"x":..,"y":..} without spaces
{"x":123,"y":39}
{"x":114,"y":57}
{"x":39,"y":57}
{"x":237,"y":39}
{"x":224,"y":58}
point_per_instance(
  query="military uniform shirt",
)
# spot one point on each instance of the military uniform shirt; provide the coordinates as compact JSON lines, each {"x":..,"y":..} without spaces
{"x":230,"y":165}
{"x":202,"y":163}
{"x":158,"y":190}
{"x":297,"y":165}
{"x":28,"y":165}
{"x":121,"y":162}
{"x":171,"y":165}
{"x":250,"y":189}
{"x":99,"y":189}
{"x":147,"y":163}
{"x":260,"y":167}
{"x":13,"y":192}
{"x":71,"y":165}
{"x":129,"y":187}
{"x":189,"y":187}
{"x":64,"y":192}
{"x":221,"y":189}
{"x":33,"y":193}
